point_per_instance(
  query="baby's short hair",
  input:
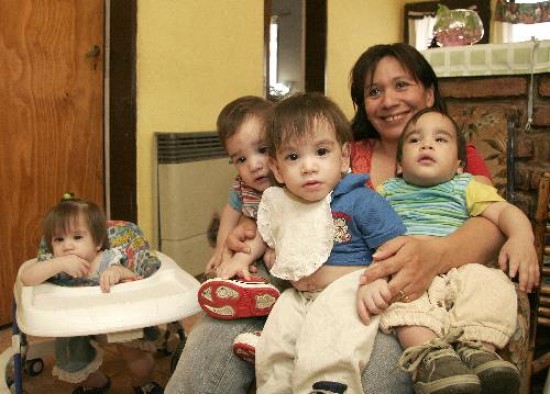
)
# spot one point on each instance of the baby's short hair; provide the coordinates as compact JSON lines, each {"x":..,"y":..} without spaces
{"x":60,"y":218}
{"x":297,"y":115}
{"x":237,"y":111}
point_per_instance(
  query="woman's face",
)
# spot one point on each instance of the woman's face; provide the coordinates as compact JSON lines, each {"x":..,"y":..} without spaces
{"x":393,"y":97}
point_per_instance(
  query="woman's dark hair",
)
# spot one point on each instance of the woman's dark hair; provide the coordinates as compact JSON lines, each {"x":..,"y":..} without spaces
{"x":460,"y":139}
{"x":409,"y":58}
{"x":66,"y":213}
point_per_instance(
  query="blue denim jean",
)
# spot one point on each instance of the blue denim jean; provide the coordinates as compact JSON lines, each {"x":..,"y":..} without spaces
{"x":209,"y":366}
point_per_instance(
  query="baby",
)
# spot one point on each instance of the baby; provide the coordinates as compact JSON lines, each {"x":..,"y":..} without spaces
{"x":76,"y":237}
{"x":451,"y":332}
{"x":241,"y":125}
{"x":324,"y":225}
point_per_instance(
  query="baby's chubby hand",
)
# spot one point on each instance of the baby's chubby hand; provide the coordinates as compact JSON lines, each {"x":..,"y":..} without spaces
{"x":238,"y":265}
{"x":111,"y":276}
{"x":373,"y":299}
{"x":74,"y":266}
{"x":518,"y":255}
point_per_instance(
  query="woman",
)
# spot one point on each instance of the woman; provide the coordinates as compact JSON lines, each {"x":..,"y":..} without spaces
{"x":390,"y":83}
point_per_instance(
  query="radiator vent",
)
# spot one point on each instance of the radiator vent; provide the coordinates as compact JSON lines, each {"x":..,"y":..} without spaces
{"x":174,"y":148}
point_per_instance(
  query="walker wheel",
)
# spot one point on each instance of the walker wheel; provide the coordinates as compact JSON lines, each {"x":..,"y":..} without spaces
{"x":34,"y":367}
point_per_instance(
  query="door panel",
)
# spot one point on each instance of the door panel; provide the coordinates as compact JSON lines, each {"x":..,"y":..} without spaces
{"x":51,"y":119}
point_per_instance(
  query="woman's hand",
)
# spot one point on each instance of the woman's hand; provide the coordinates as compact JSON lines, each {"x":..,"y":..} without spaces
{"x":411,"y":263}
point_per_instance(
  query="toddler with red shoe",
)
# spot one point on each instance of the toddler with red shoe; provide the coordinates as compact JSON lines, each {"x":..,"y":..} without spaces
{"x":233,"y":292}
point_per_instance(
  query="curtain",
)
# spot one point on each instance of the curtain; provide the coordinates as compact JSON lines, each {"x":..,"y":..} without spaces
{"x":522,"y":12}
{"x":421,"y":29}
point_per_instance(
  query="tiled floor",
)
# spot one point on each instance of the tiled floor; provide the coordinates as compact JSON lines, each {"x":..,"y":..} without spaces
{"x":113,"y":365}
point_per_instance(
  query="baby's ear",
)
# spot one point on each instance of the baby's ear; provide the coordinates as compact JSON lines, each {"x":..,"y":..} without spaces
{"x":275,"y":170}
{"x":460,"y":168}
{"x":399,"y":170}
{"x":346,"y":157}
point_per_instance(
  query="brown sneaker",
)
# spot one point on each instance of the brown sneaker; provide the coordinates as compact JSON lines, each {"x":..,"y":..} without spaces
{"x":436,"y":368}
{"x":496,"y":375}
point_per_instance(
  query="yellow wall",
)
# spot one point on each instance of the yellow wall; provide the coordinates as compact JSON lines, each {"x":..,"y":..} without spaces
{"x":353,"y":26}
{"x":194,"y":56}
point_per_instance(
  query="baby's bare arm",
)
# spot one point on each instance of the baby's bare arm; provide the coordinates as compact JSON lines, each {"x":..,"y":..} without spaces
{"x":518,"y":255}
{"x":40,"y":271}
{"x":228,"y":221}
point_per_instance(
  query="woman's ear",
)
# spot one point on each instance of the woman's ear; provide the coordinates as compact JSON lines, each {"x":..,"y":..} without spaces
{"x":275,"y":170}
{"x":346,"y":157}
{"x":430,"y":97}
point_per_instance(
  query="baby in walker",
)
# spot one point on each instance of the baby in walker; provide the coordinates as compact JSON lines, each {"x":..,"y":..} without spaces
{"x":75,"y":233}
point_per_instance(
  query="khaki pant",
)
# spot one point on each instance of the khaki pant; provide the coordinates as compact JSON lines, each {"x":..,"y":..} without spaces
{"x":482,"y":301}
{"x":310,"y":337}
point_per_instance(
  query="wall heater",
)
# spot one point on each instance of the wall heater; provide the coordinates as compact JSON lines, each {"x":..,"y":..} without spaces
{"x":193,"y":180}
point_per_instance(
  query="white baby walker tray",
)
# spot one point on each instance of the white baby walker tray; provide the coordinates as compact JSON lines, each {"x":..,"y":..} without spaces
{"x":49,"y":310}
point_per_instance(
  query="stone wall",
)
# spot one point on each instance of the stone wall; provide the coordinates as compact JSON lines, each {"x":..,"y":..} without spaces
{"x":484,"y":106}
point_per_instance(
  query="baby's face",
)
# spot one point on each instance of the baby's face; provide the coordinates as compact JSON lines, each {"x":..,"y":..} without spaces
{"x":430,"y":151}
{"x":248,"y":153}
{"x":76,"y":241}
{"x":310,"y":167}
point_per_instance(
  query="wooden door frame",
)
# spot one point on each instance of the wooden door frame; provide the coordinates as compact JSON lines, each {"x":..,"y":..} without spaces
{"x":122,"y":176}
{"x":122,"y":170}
{"x":315,"y":44}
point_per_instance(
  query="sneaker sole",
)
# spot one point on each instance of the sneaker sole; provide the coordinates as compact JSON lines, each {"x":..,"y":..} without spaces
{"x":460,"y":384}
{"x":231,"y":299}
{"x":498,"y":378}
{"x":245,"y":351}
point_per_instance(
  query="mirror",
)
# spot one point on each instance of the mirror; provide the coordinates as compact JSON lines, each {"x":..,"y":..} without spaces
{"x":295,"y":46}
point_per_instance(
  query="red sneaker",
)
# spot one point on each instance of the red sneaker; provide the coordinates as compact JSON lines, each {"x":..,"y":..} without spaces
{"x":245,"y":345}
{"x":233,"y":299}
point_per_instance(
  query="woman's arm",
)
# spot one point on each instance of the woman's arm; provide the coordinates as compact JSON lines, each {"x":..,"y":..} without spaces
{"x":413,"y":263}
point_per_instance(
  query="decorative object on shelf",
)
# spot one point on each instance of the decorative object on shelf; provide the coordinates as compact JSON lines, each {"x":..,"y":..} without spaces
{"x":457,"y":27}
{"x":518,"y":12}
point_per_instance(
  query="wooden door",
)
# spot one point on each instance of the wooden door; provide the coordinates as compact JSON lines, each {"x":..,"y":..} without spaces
{"x":51,"y":119}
